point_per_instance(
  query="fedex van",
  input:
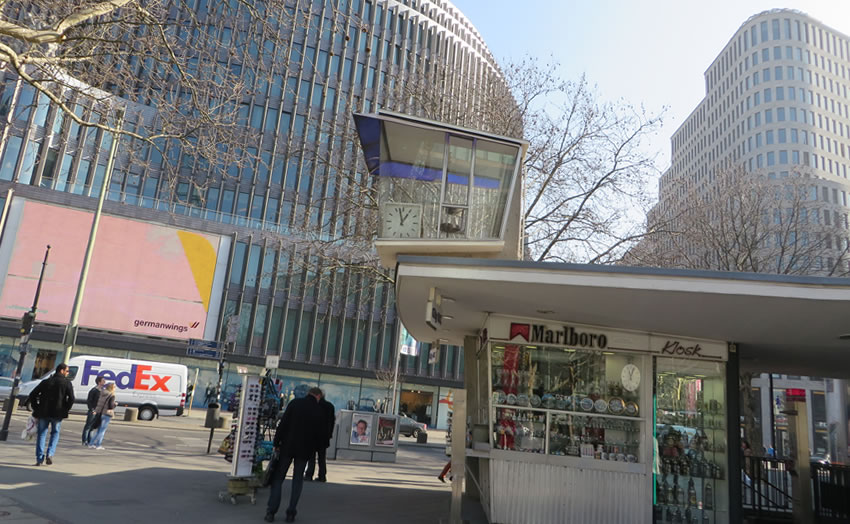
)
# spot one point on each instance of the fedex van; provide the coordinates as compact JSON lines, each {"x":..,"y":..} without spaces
{"x":153,"y":387}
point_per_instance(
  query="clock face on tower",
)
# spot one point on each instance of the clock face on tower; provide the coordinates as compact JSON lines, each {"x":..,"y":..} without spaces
{"x":401,"y":221}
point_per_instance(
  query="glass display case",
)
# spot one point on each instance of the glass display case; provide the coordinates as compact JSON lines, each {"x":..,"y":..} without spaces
{"x":567,"y":402}
{"x":690,"y":434}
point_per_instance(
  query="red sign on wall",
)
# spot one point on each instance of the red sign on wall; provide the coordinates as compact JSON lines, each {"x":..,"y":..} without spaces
{"x":795,"y":395}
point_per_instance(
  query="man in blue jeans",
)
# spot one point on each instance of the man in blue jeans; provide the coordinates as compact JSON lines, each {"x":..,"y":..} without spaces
{"x":299,"y":435}
{"x":51,"y":401}
{"x":91,"y":403}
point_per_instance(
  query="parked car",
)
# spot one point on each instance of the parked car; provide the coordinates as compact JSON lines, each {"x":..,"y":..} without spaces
{"x":410,"y":428}
{"x":5,"y":388}
{"x":820,"y":458}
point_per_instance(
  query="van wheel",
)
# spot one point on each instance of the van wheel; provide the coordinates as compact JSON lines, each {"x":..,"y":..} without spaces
{"x":147,"y":413}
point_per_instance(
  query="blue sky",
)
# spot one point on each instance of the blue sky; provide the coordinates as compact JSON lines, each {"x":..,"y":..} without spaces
{"x":650,"y":52}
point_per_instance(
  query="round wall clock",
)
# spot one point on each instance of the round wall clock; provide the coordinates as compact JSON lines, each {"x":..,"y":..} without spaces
{"x":630,"y":376}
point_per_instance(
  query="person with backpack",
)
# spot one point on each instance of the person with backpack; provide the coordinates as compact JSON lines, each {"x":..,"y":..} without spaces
{"x":51,"y":401}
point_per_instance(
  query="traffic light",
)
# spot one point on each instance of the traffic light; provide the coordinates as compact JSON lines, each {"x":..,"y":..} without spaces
{"x":27,"y":322}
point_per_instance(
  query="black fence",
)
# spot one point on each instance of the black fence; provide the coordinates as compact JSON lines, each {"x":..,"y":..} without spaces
{"x":831,"y":493}
{"x":766,"y":487}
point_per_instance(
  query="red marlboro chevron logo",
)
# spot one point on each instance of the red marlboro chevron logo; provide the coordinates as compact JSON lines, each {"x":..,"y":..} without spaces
{"x":523,"y":330}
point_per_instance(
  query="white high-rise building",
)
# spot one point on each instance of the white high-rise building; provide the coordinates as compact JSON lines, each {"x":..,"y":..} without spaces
{"x":776,"y":105}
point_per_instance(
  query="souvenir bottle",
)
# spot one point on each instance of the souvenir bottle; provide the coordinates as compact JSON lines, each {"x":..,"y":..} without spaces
{"x":669,"y":514}
{"x":680,"y":494}
{"x":708,"y":497}
{"x":688,"y":516}
{"x":660,"y":494}
{"x":677,"y":518}
{"x":692,"y":493}
{"x":705,"y":519}
{"x":671,"y":492}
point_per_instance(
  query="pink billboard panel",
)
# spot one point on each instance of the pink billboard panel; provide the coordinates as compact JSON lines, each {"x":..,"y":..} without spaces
{"x":144,"y":278}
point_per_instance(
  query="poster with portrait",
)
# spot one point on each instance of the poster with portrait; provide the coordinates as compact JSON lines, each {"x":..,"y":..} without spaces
{"x":386,"y":431}
{"x":361,"y":429}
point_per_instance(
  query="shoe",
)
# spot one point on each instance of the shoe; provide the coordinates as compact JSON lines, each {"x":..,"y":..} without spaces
{"x":91,"y":447}
{"x":49,"y":461}
{"x":321,"y":479}
{"x":100,"y":447}
{"x":37,"y":464}
{"x":290,"y":517}
{"x":441,"y":479}
{"x":308,"y":477}
{"x":269,"y":517}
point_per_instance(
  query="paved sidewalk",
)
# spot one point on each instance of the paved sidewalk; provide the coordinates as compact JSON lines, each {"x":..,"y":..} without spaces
{"x":158,"y":472}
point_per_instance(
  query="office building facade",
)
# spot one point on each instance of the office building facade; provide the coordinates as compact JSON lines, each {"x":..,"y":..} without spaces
{"x":331,"y":325}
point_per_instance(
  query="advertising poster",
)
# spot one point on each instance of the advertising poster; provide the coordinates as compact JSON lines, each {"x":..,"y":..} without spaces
{"x":386,"y":431}
{"x":361,"y":428}
{"x":144,"y":278}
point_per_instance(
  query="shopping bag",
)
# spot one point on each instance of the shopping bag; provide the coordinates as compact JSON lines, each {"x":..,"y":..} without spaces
{"x":225,"y":446}
{"x":31,"y":428}
{"x":269,"y":472}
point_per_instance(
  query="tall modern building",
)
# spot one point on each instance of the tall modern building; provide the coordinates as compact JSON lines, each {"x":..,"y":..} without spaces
{"x":239,"y":240}
{"x":776,"y":109}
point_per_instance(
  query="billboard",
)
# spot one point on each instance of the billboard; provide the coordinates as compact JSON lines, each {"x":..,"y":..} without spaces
{"x":144,"y":278}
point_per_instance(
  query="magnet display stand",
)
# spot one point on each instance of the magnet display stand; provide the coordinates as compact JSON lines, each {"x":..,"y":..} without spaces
{"x":242,"y":481}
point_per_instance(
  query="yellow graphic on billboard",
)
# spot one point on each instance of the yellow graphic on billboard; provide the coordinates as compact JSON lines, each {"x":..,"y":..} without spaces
{"x":201,"y":257}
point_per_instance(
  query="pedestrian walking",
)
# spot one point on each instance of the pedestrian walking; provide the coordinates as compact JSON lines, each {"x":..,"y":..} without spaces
{"x":209,"y":394}
{"x":330,"y":420}
{"x":50,"y":401}
{"x":91,"y":404}
{"x":446,"y":470}
{"x":302,"y":430}
{"x":103,"y":414}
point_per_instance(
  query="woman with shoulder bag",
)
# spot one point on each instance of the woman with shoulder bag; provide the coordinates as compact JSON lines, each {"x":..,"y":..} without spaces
{"x":104,"y":412}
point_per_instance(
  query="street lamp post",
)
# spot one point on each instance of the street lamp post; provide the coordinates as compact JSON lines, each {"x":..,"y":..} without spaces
{"x":26,"y":329}
{"x":70,"y":337}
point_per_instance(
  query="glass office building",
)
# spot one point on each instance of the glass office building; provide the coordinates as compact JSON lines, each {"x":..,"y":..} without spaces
{"x":330,"y":324}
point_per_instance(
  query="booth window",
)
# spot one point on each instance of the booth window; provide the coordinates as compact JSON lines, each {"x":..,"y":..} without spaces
{"x":565,"y":401}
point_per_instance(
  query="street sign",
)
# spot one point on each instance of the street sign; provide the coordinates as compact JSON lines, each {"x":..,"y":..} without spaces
{"x":209,"y":344}
{"x":201,"y":352}
{"x":272,"y":361}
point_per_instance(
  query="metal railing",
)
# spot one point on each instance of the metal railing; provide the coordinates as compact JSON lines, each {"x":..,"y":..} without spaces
{"x":831,"y":492}
{"x":766,"y":486}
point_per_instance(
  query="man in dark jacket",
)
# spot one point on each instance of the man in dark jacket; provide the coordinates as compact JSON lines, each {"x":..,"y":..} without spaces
{"x":50,"y":401}
{"x":91,"y":402}
{"x":301,"y":432}
{"x":330,"y":420}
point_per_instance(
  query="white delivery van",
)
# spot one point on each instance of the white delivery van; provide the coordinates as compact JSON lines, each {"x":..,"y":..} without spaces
{"x":153,"y":387}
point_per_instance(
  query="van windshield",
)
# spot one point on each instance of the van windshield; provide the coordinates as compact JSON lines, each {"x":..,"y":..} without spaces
{"x":72,"y":372}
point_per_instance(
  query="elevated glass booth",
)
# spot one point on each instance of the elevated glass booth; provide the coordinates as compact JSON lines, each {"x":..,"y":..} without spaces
{"x":440,"y":189}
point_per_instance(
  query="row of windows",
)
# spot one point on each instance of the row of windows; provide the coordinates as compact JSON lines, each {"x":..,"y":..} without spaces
{"x":806,"y":76}
{"x":794,"y":54}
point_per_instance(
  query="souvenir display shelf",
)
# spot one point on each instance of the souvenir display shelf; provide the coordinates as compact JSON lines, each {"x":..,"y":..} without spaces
{"x":691,"y":477}
{"x":559,"y":401}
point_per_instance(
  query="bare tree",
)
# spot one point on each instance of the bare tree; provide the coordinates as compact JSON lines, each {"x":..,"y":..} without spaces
{"x":179,"y":76}
{"x":749,"y":223}
{"x":585,"y":171}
